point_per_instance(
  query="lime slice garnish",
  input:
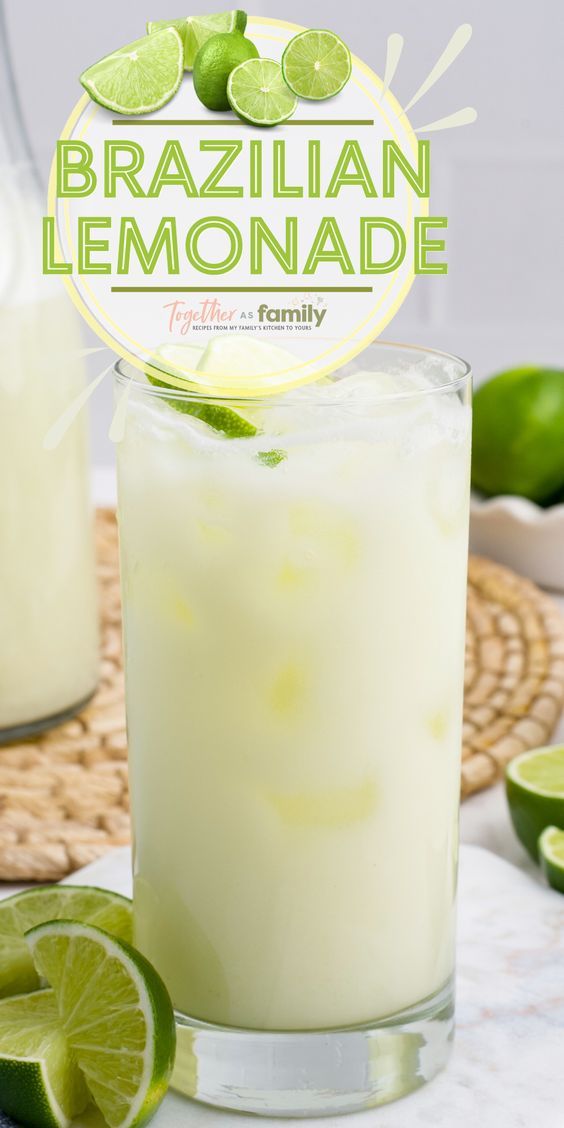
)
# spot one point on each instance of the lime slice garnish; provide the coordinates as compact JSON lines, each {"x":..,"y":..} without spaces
{"x":41,"y":1085}
{"x":139,"y":78}
{"x":219,"y":418}
{"x":196,"y":30}
{"x":316,"y":64}
{"x":551,"y":851}
{"x":25,"y":910}
{"x":258,"y":93}
{"x":535,"y":793}
{"x":180,"y":359}
{"x":115,"y":1015}
{"x":214,"y":63}
{"x":236,"y":362}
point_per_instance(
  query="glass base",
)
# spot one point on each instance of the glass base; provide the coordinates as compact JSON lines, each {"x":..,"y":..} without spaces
{"x":16,"y":733}
{"x":315,"y":1073}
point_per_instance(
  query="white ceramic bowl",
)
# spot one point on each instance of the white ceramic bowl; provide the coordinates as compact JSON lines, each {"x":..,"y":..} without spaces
{"x":516,"y":532}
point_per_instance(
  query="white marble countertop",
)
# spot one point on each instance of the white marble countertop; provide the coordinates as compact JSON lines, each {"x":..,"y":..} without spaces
{"x":507,"y":1068}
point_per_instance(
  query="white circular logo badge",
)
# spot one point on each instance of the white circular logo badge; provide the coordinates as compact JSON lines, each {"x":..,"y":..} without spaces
{"x":186,"y":223}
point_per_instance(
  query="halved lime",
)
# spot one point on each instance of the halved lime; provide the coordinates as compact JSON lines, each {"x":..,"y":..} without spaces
{"x":52,"y":902}
{"x":41,"y":1085}
{"x":195,"y":30}
{"x":139,"y":78}
{"x":258,"y":93}
{"x":316,"y":64}
{"x":115,"y":1014}
{"x":551,"y":851}
{"x":535,"y":793}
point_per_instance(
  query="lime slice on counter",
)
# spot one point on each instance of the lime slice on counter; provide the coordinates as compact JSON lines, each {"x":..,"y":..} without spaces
{"x":535,"y":793}
{"x":53,"y":902}
{"x":258,"y":93}
{"x":115,"y":1015}
{"x":316,"y":64}
{"x":41,"y":1085}
{"x":551,"y":852}
{"x":196,"y":30}
{"x":139,"y":78}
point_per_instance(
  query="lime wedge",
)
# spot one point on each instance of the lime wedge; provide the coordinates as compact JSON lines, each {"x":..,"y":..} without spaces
{"x":41,"y":1085}
{"x":196,"y":30}
{"x":219,"y":418}
{"x":179,"y":359}
{"x":551,"y":851}
{"x":316,"y":64}
{"x":230,"y":356}
{"x":25,"y":910}
{"x":115,"y":1015}
{"x":258,"y":93}
{"x":535,"y":793}
{"x":138,"y":78}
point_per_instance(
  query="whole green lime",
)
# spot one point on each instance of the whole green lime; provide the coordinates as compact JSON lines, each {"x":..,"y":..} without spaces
{"x":518,"y":440}
{"x":213,"y":65}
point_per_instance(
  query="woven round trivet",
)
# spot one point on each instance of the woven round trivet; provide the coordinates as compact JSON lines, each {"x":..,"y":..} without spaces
{"x":64,"y":797}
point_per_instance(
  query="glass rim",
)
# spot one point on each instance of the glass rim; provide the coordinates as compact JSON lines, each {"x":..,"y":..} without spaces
{"x":126,"y":373}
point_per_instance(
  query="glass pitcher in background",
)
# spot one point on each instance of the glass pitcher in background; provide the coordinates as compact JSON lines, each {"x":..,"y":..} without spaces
{"x":48,"y":610}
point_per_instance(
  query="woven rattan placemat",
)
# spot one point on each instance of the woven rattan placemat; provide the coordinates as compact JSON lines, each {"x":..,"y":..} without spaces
{"x":64,"y":797}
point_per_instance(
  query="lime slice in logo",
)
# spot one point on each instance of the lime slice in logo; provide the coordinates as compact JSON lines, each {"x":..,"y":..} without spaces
{"x":115,"y":1016}
{"x":54,"y":902}
{"x":316,"y":64}
{"x":196,"y":30}
{"x":258,"y":93}
{"x":138,"y":78}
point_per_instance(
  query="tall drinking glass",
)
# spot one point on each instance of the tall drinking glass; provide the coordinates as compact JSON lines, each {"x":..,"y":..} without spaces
{"x":48,"y":610}
{"x":294,"y":606}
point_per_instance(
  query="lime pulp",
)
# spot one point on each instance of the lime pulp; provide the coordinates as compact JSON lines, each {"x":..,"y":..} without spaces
{"x":535,"y":794}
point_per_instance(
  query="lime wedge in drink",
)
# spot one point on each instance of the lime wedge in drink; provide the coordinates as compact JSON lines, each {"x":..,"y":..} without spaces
{"x":232,"y":356}
{"x":196,"y":30}
{"x":535,"y":793}
{"x":551,"y":851}
{"x":179,"y":359}
{"x":316,"y":64}
{"x":25,"y":910}
{"x":214,"y":63}
{"x":115,"y":1015}
{"x":138,"y":78}
{"x":218,"y":417}
{"x":41,"y":1085}
{"x":258,"y":93}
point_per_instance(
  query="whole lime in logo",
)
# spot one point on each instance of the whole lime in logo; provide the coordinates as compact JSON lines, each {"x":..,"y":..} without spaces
{"x":213,"y":65}
{"x":518,"y":440}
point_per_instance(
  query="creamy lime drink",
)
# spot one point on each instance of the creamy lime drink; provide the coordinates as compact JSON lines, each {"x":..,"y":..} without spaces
{"x":48,"y":642}
{"x":294,"y":614}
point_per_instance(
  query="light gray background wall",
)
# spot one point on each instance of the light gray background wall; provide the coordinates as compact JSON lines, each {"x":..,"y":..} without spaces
{"x":501,"y":181}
